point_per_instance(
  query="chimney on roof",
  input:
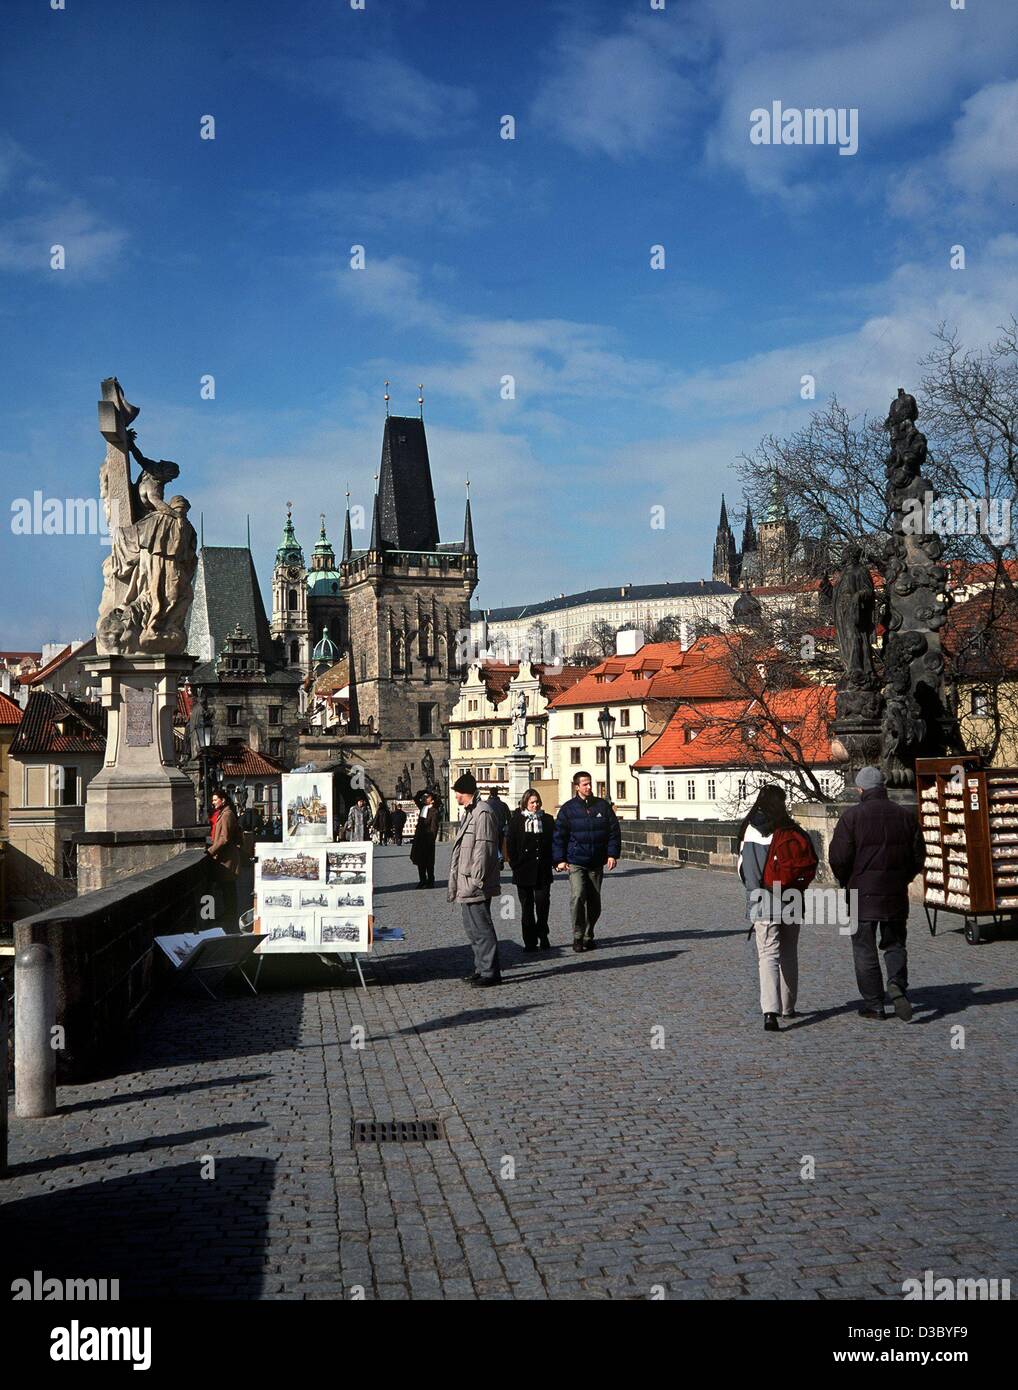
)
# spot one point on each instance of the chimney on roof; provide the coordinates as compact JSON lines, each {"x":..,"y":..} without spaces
{"x":628,"y":641}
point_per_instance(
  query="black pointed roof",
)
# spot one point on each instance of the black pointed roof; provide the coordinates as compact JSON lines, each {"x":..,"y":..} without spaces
{"x":408,"y":518}
{"x":468,"y":532}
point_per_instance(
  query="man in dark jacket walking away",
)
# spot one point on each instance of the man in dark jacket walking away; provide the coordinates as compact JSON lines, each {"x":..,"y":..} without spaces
{"x":398,"y":822}
{"x":876,"y":851}
{"x":587,"y":841}
{"x":502,"y":817}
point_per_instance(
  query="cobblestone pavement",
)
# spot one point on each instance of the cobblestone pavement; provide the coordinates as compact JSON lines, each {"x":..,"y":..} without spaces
{"x":581,"y":1160}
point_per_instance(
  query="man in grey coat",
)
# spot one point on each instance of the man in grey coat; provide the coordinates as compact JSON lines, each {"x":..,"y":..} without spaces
{"x":474,"y":878}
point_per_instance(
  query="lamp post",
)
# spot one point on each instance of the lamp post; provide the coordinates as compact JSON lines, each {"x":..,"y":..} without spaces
{"x":203,"y":731}
{"x":606,"y":723}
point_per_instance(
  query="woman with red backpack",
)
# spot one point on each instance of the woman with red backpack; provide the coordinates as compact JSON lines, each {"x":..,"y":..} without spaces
{"x":777,"y":863}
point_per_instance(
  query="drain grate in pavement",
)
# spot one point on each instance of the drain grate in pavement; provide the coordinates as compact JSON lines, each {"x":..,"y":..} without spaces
{"x":395,"y":1131}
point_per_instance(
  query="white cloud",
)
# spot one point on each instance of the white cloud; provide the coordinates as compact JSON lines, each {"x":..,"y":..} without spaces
{"x":618,"y":94}
{"x":983,"y":154}
{"x":387,"y":94}
{"x":91,"y":244}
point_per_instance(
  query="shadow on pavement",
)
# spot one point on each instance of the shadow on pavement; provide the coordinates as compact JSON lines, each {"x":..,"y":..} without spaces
{"x":138,"y":1145}
{"x":161,"y":1092}
{"x":163,"y":1234}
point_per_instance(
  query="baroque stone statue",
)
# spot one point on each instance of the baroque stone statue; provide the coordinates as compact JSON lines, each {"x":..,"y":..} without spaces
{"x":854,"y":609}
{"x":149,"y":572}
{"x":428,"y":769}
{"x":520,"y":723}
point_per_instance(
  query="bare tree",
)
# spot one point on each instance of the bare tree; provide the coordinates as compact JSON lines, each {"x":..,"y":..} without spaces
{"x":602,"y":637}
{"x":667,"y":629}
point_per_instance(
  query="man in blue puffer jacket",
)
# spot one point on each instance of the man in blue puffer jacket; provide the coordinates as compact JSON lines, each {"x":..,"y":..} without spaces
{"x":587,"y":841}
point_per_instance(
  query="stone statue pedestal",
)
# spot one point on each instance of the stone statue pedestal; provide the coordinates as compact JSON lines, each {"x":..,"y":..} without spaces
{"x":519,"y":767}
{"x":140,"y":808}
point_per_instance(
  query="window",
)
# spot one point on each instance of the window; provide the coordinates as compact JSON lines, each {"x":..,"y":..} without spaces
{"x":471,"y":706}
{"x":742,"y":789}
{"x":601,"y":755}
{"x":825,"y":783}
{"x":484,"y":738}
{"x":294,"y":653}
{"x":503,"y":738}
{"x":620,"y":752}
{"x":980,"y":704}
{"x":652,"y":789}
{"x":577,"y":721}
{"x":574,"y":757}
{"x":691,"y":789}
{"x":501,"y":774}
{"x":364,"y":667}
{"x":275,"y":714}
{"x":620,"y":791}
{"x":233,"y":716}
{"x":671,"y":791}
{"x":291,"y":600}
{"x":275,"y":747}
{"x":624,"y":718}
{"x":538,"y":736}
{"x":712,"y":789}
{"x":602,"y":790}
{"x":67,"y":785}
{"x":426,"y":714}
{"x":466,"y":738}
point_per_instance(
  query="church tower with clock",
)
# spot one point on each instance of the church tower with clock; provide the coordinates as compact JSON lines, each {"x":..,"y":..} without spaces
{"x":290,"y":626}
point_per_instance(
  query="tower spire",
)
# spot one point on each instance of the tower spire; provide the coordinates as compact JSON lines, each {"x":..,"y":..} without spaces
{"x":386,"y":407}
{"x":376,"y":523}
{"x":468,"y":528}
{"x":420,"y":398}
{"x":347,"y":533}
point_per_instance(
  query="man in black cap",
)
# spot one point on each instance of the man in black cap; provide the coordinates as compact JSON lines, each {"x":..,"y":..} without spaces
{"x":474,"y":878}
{"x":876,"y":851}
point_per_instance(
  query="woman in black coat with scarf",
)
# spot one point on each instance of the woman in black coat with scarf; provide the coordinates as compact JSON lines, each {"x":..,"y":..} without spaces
{"x":528,"y":849}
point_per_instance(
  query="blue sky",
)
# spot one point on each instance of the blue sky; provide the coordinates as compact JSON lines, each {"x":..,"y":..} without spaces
{"x":485,"y":257}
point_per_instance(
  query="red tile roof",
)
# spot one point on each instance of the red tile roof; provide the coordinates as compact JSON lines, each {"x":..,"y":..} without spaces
{"x":718,"y":728}
{"x":39,"y":730}
{"x":185,"y":704}
{"x":981,"y":636}
{"x":10,"y":713}
{"x":68,"y":653}
{"x":662,"y":670}
{"x":245,"y":762}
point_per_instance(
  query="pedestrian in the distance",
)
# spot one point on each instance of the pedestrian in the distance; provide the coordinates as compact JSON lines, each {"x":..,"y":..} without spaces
{"x":502,"y":815}
{"x":382,"y":823}
{"x":777,"y":863}
{"x":224,"y":848}
{"x":474,"y":878}
{"x":876,"y":851}
{"x":398,"y":822}
{"x":587,"y":841}
{"x":422,"y":850}
{"x":528,"y":849}
{"x":358,"y":819}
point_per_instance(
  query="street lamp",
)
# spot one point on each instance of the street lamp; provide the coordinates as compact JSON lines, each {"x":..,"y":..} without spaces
{"x":203,"y":731}
{"x":606,"y":723}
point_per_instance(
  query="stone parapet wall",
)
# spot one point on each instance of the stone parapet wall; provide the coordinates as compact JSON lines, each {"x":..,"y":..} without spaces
{"x":705,"y":844}
{"x":103,"y":952}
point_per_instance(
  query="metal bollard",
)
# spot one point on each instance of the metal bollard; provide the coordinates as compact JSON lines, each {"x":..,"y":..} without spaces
{"x":35,"y":1015}
{"x":4,"y":1053}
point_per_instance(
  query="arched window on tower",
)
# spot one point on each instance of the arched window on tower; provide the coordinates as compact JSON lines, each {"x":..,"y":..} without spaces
{"x":291,"y":600}
{"x":364,"y":667}
{"x":397,"y":653}
{"x":294,"y":653}
{"x":426,"y":640}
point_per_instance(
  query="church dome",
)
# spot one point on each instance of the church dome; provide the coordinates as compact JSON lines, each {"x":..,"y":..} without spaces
{"x":746,"y":608}
{"x":326,"y":651}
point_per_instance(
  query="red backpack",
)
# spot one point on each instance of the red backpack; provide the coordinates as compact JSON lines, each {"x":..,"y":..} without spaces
{"x":791,"y":860}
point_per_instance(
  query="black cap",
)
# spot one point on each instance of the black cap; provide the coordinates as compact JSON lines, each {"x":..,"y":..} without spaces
{"x":466,"y":782}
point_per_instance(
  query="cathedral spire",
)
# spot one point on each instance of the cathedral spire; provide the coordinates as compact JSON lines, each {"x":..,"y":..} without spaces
{"x":347,"y":533}
{"x":468,"y":528}
{"x":748,"y":532}
{"x":376,"y":523}
{"x":723,"y":523}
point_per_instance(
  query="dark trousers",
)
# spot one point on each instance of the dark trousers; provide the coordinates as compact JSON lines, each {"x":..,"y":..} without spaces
{"x":893,"y":936}
{"x":480,"y":930}
{"x":535,"y":902}
{"x":426,"y":867}
{"x":228,"y":913}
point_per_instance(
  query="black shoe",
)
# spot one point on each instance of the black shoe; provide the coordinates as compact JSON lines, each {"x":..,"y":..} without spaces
{"x":771,"y":1023}
{"x":577,"y":945}
{"x":530,"y":949}
{"x":875,"y":1015}
{"x":589,"y":945}
{"x":791,"y":1014}
{"x":486,"y":981}
{"x":545,"y":944}
{"x":471,"y":979}
{"x":902,"y":1007}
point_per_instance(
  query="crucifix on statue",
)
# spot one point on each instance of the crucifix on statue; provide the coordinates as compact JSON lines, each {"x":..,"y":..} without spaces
{"x":116,"y":489}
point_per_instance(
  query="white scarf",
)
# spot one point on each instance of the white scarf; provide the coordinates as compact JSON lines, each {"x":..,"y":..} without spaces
{"x":533,"y":825}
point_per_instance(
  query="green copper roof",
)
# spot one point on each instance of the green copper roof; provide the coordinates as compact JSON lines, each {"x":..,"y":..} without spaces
{"x":323,"y":582}
{"x":324,"y":546}
{"x":289,"y":552}
{"x":326,"y":650}
{"x":775,"y":509}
